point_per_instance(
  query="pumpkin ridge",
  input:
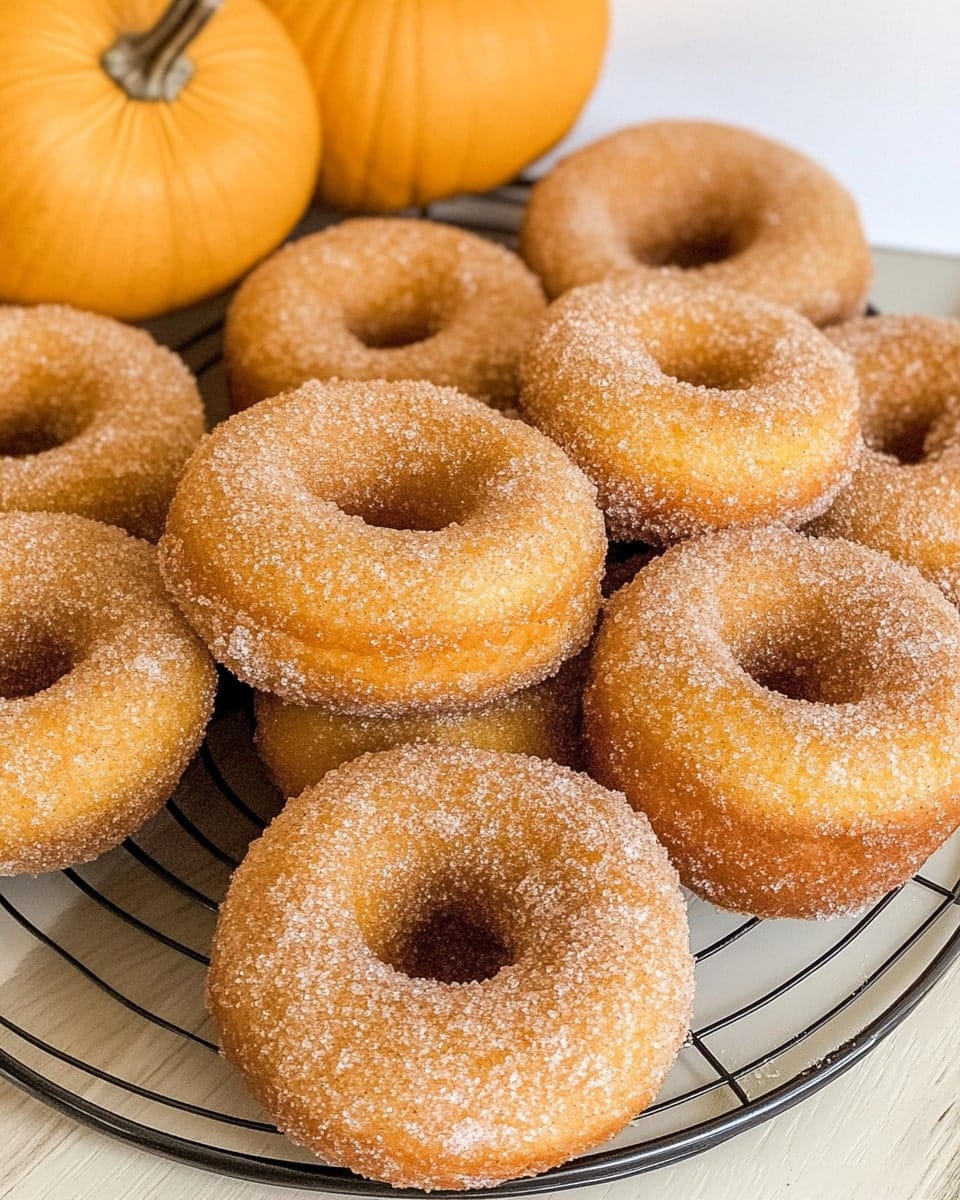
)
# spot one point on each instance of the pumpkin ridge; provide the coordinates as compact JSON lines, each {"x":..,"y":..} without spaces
{"x":381,"y":99}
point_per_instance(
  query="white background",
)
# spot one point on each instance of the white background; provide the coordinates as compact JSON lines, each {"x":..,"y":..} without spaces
{"x":870,"y":88}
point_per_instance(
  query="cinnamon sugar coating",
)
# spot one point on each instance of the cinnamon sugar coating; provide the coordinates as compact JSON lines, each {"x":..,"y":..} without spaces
{"x":786,"y":711}
{"x":692,"y":407}
{"x":377,"y":547}
{"x":444,"y":968}
{"x":718,"y":203}
{"x":905,"y":495}
{"x":300,"y":743}
{"x":383,"y":298}
{"x":104,"y":691}
{"x":95,"y":418}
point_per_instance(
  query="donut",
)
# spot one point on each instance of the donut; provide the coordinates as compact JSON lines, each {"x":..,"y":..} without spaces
{"x":104,"y":691}
{"x":299,"y":744}
{"x":445,"y":967}
{"x":383,"y":298}
{"x":719,"y":204}
{"x":95,"y":418}
{"x":905,"y":495}
{"x":692,"y":407}
{"x":376,"y":547}
{"x":786,"y":711}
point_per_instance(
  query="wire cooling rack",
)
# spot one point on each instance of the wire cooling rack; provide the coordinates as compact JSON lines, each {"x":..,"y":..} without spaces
{"x":102,"y":967}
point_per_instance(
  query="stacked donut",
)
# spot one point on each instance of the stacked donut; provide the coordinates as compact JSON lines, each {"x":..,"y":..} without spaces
{"x":399,"y":555}
{"x":398,"y":301}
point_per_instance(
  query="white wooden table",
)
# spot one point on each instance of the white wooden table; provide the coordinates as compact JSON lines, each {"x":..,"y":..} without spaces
{"x":888,"y":1130}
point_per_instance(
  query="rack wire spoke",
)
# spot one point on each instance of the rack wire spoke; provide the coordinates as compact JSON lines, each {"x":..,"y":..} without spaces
{"x":128,"y":1085}
{"x":156,"y":868}
{"x":727,"y":940}
{"x":835,"y":1010}
{"x":805,"y":972}
{"x":92,"y":977}
{"x":228,"y":792}
{"x":85,"y":886}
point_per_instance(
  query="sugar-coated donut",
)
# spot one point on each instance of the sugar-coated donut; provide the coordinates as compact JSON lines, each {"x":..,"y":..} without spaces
{"x":692,"y":407}
{"x":383,"y":298}
{"x":786,"y":711}
{"x":300,"y":743}
{"x":104,"y":691}
{"x":95,"y":418}
{"x":382,"y":546}
{"x":720,"y":204}
{"x":444,"y":968}
{"x":905,"y":496}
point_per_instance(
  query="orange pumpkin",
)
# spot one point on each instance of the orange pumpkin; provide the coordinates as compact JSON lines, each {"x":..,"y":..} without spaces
{"x":149,"y":157}
{"x":424,"y":98}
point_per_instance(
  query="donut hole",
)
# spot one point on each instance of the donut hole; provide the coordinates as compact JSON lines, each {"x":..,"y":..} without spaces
{"x":909,"y":444}
{"x":701,"y":359}
{"x":719,"y":370}
{"x":30,"y":662}
{"x":454,"y":944}
{"x":419,"y":513}
{"x":394,"y":326}
{"x":426,"y":497}
{"x":25,"y":433}
{"x":693,"y":244}
{"x":432,"y":930}
{"x":800,"y":678}
{"x":807,"y":659}
{"x":916,"y":436}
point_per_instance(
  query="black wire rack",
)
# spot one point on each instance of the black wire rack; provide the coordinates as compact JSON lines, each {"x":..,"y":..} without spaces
{"x":102,"y":968}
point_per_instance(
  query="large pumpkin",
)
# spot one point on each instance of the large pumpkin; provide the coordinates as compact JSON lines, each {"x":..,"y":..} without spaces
{"x":144,"y":172}
{"x":424,"y":98}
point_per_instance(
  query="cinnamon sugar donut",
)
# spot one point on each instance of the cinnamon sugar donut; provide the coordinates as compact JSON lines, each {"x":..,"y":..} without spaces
{"x":905,"y":495}
{"x":786,"y":711}
{"x":95,"y":418}
{"x":376,"y":547}
{"x":383,"y":298}
{"x":299,"y":744}
{"x":104,"y":691}
{"x":717,"y":203}
{"x":444,"y":968}
{"x":692,"y":407}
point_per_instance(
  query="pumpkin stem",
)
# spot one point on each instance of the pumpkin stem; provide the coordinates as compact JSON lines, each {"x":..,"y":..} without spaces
{"x":152,"y":65}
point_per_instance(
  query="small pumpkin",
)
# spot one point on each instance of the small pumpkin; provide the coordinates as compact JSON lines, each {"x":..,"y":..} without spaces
{"x":149,"y":157}
{"x":421,"y":99}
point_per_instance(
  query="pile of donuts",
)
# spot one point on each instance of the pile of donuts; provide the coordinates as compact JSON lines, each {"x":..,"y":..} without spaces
{"x":548,"y":606}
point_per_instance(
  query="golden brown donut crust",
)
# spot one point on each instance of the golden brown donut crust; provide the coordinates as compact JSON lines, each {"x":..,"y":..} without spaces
{"x":104,"y":691}
{"x":692,"y":407}
{"x":905,"y":495}
{"x":718,"y":203}
{"x":786,"y":711}
{"x":95,"y":418}
{"x":380,"y":546}
{"x":300,"y":743}
{"x":383,"y":298}
{"x":319,"y":989}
